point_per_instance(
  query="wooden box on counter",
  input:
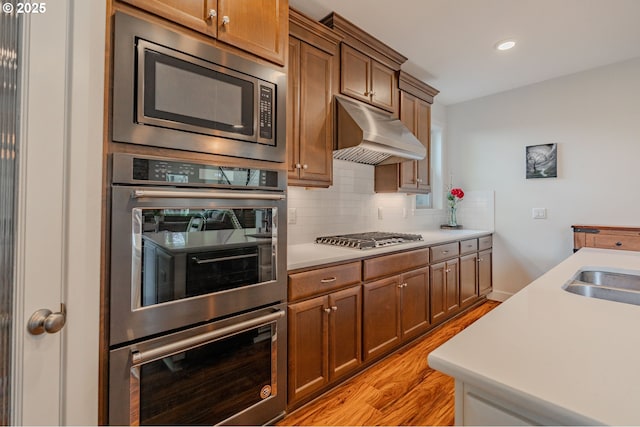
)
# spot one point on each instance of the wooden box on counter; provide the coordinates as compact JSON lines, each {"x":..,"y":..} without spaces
{"x":606,"y":237}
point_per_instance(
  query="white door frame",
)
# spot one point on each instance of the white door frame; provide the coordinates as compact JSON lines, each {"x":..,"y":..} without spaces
{"x":55,"y":376}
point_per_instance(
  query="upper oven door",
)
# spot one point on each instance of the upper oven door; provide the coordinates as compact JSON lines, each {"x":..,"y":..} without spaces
{"x":182,"y":256}
{"x":173,"y":91}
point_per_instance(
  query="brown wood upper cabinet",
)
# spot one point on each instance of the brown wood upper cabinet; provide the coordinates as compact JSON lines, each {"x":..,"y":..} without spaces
{"x":368,"y":67}
{"x":411,"y":176}
{"x":256,"y":26}
{"x":366,"y":79}
{"x":312,"y":48}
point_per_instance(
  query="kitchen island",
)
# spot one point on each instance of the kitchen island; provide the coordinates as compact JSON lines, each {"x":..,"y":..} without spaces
{"x":547,"y":356}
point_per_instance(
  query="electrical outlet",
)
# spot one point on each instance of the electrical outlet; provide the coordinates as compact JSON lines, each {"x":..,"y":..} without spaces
{"x":404,"y":212}
{"x":539,"y":213}
{"x":380,"y":214}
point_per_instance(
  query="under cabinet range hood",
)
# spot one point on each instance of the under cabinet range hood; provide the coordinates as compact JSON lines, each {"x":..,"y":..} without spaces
{"x":366,"y":135}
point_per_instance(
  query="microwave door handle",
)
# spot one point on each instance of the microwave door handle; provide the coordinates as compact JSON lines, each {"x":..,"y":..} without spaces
{"x":227,"y":258}
{"x":168,"y":194}
{"x":146,"y":356}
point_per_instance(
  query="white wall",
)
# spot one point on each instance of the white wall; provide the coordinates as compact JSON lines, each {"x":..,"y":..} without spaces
{"x":594,"y":117}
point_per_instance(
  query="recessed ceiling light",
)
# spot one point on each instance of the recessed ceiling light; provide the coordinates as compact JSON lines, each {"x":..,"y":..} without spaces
{"x":505,"y":44}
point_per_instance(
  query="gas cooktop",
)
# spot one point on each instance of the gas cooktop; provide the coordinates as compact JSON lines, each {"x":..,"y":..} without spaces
{"x":375,"y":239}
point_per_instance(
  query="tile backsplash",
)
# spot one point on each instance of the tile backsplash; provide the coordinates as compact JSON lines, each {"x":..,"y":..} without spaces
{"x":351,"y":206}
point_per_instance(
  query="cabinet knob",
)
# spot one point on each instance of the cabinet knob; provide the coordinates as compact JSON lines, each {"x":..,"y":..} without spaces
{"x":327,"y":310}
{"x":305,"y":166}
{"x":212,"y":14}
{"x":334,"y":308}
{"x":372,"y":94}
{"x":298,"y":166}
{"x":480,"y":259}
{"x":225,"y":20}
{"x":618,"y":243}
{"x":448,"y":270}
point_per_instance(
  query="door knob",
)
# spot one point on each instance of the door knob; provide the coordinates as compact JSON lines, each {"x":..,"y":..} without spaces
{"x":44,"y":320}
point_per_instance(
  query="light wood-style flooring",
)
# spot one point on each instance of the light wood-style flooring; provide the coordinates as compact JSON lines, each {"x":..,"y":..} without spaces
{"x":400,"y":390}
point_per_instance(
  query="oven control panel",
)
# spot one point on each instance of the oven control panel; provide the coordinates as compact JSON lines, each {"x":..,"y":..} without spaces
{"x":134,"y":169}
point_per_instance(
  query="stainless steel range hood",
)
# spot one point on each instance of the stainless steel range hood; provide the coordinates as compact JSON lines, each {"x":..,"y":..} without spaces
{"x":366,"y":135}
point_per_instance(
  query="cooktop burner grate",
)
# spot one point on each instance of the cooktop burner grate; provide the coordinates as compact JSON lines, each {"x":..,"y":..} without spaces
{"x":369,"y":240}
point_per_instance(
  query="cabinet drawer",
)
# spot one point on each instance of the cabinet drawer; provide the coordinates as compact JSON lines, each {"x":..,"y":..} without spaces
{"x":468,"y":246}
{"x":613,"y":241}
{"x":485,"y":242}
{"x":323,"y":280}
{"x":442,"y":252}
{"x":392,"y":264}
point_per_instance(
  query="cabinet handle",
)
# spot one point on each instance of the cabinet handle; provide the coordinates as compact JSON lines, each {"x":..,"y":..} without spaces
{"x":618,"y":243}
{"x":328,"y":280}
{"x":305,"y":166}
{"x":448,"y":270}
{"x":480,"y":259}
{"x":445,"y":252}
{"x":298,"y":166}
{"x":225,"y":20}
{"x":327,"y":310}
{"x":334,"y":308}
{"x":212,"y":14}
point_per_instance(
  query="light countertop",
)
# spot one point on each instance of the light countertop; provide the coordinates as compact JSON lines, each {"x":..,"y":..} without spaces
{"x":574,"y":357}
{"x":315,"y":254}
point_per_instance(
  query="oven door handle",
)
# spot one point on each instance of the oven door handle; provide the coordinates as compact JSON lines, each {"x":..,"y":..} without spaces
{"x":142,"y":357}
{"x":168,"y":194}
{"x":227,"y":258}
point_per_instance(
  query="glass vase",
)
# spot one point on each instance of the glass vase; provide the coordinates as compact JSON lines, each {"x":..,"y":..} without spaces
{"x":453,"y":220}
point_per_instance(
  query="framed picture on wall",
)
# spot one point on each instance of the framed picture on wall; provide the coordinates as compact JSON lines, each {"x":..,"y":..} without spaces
{"x":542,"y":161}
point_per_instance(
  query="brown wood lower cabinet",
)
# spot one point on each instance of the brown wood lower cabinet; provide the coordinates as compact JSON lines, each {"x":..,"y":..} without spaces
{"x":485,"y":272}
{"x":324,"y":340}
{"x":395,"y":308}
{"x":445,"y":291}
{"x":468,"y":279}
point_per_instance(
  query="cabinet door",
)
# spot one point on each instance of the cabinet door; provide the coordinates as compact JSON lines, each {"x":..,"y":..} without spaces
{"x":316,"y":138}
{"x":437,"y":292}
{"x":345,"y":332}
{"x":484,"y":272}
{"x":408,"y":169}
{"x":452,"y":280}
{"x":355,"y":72}
{"x":293,"y":109}
{"x":194,"y":14}
{"x":468,"y":279}
{"x":257,"y":26}
{"x":381,"y":318}
{"x":308,"y":346}
{"x":383,"y":90}
{"x":423,"y":133}
{"x":415,"y":302}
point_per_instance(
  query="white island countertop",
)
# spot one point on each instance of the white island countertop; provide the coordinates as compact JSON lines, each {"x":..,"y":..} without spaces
{"x":315,"y":254}
{"x":575,"y":359}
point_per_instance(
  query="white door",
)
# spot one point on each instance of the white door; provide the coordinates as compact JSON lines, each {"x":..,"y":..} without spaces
{"x":55,"y":375}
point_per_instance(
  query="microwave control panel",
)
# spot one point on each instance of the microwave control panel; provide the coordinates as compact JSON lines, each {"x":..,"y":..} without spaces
{"x":266,"y":112}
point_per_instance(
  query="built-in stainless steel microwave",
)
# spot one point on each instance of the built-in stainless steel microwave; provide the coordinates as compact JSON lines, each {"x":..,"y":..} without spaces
{"x":174,"y":91}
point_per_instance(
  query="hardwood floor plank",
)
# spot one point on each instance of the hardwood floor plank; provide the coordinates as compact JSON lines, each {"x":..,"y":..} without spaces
{"x":399,"y":390}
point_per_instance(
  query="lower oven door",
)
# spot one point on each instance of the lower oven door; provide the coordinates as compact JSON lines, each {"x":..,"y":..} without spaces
{"x":226,"y":372}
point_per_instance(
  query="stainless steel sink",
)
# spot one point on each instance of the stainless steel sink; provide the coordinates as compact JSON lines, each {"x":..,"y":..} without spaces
{"x":609,"y":285}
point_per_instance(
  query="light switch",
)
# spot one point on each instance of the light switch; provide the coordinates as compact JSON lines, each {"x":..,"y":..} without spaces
{"x":380,"y":214}
{"x":539,"y":213}
{"x":292,"y":216}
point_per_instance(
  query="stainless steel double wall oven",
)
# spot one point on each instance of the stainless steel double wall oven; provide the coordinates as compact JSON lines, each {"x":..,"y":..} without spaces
{"x":197,"y":302}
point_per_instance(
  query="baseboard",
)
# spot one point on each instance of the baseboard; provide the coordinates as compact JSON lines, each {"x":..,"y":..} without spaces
{"x":499,"y":296}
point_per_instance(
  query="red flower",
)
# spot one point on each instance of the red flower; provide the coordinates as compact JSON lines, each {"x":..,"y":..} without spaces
{"x":457,"y":192}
